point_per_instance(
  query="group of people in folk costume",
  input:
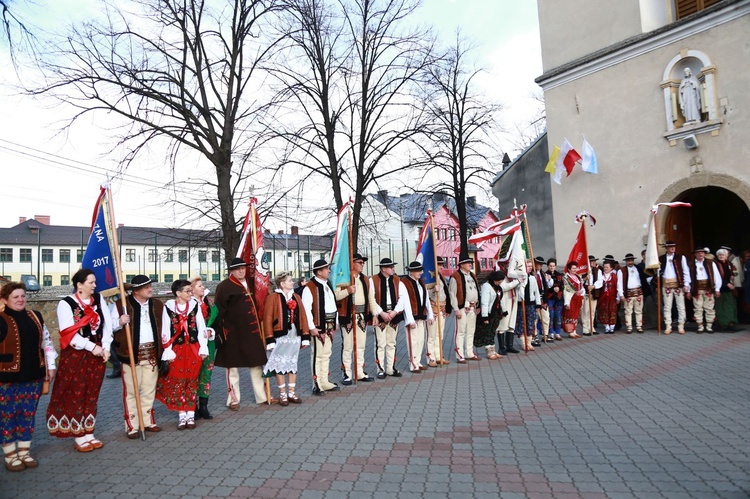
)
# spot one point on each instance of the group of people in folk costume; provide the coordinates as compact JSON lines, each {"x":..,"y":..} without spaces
{"x":176,"y":344}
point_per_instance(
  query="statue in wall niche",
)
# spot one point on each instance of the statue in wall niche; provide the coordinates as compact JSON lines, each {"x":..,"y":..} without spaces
{"x":690,"y":98}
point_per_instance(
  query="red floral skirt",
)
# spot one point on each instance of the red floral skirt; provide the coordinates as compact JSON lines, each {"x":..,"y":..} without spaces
{"x":606,"y":310}
{"x":178,"y":390}
{"x":75,"y":393}
{"x":572,"y":313}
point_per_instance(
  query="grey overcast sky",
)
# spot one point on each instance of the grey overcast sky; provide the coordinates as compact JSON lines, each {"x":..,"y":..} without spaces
{"x":47,"y":173}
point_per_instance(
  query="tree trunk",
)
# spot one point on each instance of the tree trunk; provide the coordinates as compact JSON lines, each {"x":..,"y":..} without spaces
{"x":230,"y":241}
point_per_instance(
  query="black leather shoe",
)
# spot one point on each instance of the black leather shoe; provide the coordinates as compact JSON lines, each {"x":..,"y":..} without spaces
{"x":381,"y":375}
{"x":366,"y":379}
{"x":317,"y":391}
{"x":335,"y":388}
{"x":513,"y":350}
{"x":396,"y":374}
{"x":116,"y":373}
{"x":346,"y":381}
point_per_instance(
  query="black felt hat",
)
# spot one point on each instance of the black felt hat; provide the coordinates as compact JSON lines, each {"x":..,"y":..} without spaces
{"x":236,"y":263}
{"x":414,"y":267}
{"x":387,"y":262}
{"x":139,"y":281}
{"x":320,"y":264}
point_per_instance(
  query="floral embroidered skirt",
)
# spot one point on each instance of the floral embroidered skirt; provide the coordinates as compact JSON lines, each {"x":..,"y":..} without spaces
{"x":572,"y":313}
{"x":75,"y":394}
{"x":18,"y":402}
{"x":178,"y":390}
{"x":207,"y":368}
{"x":606,"y":310}
{"x":283,"y":358}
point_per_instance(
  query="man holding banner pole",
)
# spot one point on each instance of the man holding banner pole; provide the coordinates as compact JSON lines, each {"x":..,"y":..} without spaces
{"x":441,"y":307}
{"x":360,"y":305}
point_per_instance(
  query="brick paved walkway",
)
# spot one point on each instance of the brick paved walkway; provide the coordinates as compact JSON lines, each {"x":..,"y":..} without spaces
{"x":609,"y":416}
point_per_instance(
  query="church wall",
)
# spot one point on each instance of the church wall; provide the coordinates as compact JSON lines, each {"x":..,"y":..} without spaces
{"x":621,"y":111}
{"x":569,"y":28}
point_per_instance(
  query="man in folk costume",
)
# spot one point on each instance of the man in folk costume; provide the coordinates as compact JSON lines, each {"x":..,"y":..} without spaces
{"x":705,"y":286}
{"x":440,"y":305}
{"x":144,"y":314}
{"x":542,"y":283}
{"x":593,"y":289}
{"x":360,"y":302}
{"x":675,"y":284}
{"x":319,"y":300}
{"x":464,"y":296}
{"x":416,"y":315}
{"x":238,"y":333}
{"x":632,"y":289}
{"x":390,"y":297}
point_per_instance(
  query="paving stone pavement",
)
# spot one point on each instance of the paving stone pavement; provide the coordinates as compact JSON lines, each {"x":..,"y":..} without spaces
{"x":608,"y":416}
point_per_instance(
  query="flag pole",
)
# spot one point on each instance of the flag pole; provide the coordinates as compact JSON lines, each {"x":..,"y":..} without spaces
{"x":254,"y":234}
{"x":123,"y":300}
{"x":438,"y":282}
{"x":658,"y":283}
{"x":588,"y":275}
{"x":355,"y":366}
{"x":531,"y":255}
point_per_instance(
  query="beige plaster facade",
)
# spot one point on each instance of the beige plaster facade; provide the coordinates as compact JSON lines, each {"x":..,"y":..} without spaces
{"x":616,"y":99}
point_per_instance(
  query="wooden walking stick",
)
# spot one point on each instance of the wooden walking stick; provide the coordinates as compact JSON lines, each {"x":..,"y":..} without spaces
{"x":355,"y":366}
{"x":124,"y":301}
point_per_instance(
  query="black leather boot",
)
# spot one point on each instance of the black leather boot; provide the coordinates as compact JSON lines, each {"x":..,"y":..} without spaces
{"x":509,"y":339}
{"x":116,"y":372}
{"x":501,"y":343}
{"x":203,"y":409}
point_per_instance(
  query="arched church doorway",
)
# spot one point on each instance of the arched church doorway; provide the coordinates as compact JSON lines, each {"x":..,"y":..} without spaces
{"x":718,"y":217}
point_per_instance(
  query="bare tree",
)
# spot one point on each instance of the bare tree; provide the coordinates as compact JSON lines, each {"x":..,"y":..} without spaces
{"x":355,"y":79}
{"x":14,"y":29}
{"x":180,"y":73}
{"x":459,"y":142}
{"x":526,"y":133}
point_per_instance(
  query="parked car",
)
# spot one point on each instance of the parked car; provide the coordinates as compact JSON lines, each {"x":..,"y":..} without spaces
{"x":31,"y":282}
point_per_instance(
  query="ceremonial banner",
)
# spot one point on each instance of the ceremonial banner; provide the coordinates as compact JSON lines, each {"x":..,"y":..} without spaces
{"x":426,"y":252}
{"x":579,"y":253}
{"x":341,"y":258}
{"x":252,"y":252}
{"x":517,"y":257}
{"x":504,"y":254}
{"x":98,"y":256}
{"x":652,"y":251}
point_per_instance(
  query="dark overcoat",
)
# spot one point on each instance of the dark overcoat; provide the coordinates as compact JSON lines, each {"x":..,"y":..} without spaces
{"x":237,"y":327}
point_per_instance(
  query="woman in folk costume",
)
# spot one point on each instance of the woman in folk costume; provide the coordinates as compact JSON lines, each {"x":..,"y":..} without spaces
{"x":490,"y":295}
{"x":573,"y":294}
{"x":27,"y":358}
{"x":185,"y":342}
{"x":85,"y":339}
{"x":286,"y":330}
{"x":606,"y":306}
{"x":209,"y":313}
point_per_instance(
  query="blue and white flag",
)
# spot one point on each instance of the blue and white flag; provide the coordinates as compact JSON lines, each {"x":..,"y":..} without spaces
{"x":99,"y":255}
{"x":341,"y":257}
{"x":426,"y":252}
{"x":589,"y":163}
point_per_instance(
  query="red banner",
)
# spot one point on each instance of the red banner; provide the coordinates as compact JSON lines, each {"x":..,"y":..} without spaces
{"x":252,"y":252}
{"x":579,"y":253}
